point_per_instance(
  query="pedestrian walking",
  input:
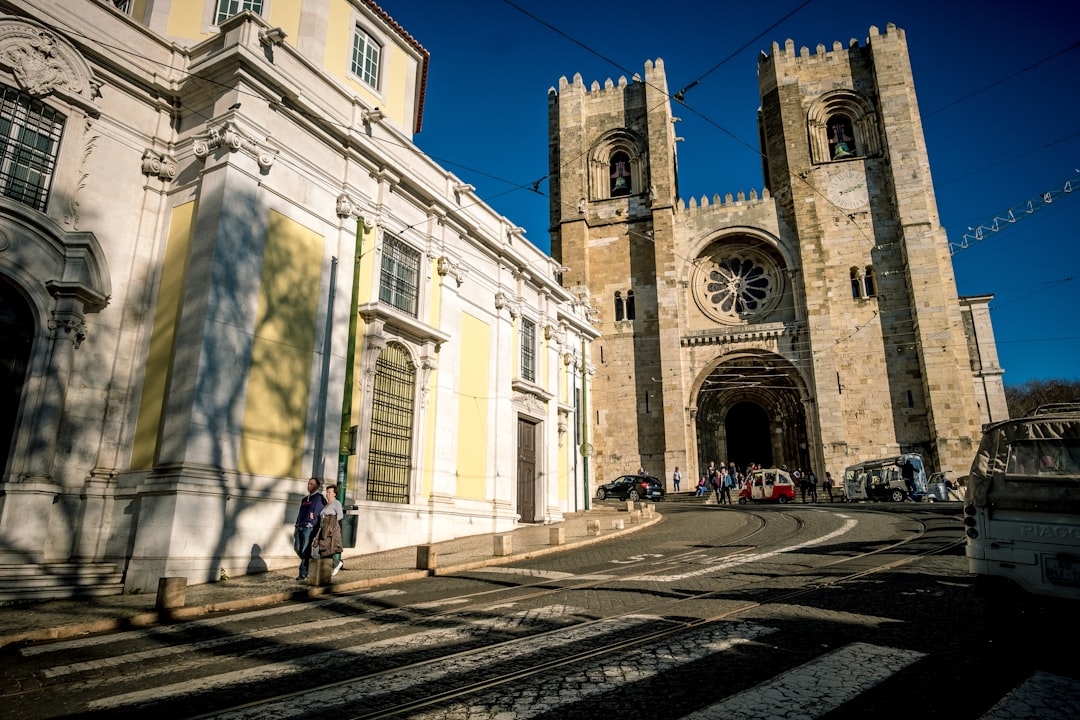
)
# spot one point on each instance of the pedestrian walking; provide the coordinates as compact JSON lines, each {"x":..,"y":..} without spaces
{"x":307,"y":519}
{"x":811,"y":482}
{"x":676,"y":478}
{"x":828,"y":484}
{"x":726,"y":483}
{"x":330,"y":529}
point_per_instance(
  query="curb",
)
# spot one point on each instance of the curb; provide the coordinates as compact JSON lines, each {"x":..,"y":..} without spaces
{"x":157,"y":617}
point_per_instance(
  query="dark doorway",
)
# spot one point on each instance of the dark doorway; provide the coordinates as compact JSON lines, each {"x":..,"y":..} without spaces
{"x":16,"y":336}
{"x":749,"y":438}
{"x":526,"y":470}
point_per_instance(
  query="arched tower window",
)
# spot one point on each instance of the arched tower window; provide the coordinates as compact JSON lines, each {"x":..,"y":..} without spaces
{"x":842,"y":124}
{"x":621,"y":182}
{"x":841,"y":137}
{"x":619,"y":308}
{"x":856,"y":284}
{"x":617,"y":166}
{"x":629,"y":304}
{"x":869,"y":282}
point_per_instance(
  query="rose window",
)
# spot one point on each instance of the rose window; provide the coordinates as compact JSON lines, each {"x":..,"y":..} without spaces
{"x":736,"y":285}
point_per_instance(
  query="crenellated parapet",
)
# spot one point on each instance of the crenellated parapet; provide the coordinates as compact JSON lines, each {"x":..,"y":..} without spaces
{"x":609,"y":85}
{"x":822,"y":54}
{"x":694,"y":207}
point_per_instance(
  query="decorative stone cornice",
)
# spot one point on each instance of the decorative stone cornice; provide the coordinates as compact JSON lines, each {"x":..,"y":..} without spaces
{"x":44,"y":63}
{"x":230,"y":136}
{"x":160,"y":164}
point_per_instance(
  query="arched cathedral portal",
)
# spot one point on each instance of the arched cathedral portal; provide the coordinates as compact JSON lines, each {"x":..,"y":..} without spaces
{"x":750,"y":410}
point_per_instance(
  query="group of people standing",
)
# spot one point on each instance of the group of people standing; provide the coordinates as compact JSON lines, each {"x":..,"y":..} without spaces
{"x":317,"y":532}
{"x":723,"y":479}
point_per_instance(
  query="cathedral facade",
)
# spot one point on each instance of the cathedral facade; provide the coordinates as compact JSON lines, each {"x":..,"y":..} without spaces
{"x":813,"y":324}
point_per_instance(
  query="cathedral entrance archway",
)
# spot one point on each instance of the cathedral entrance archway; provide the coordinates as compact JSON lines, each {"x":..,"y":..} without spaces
{"x":750,"y":410}
{"x":748,"y":435}
{"x":16,"y":337}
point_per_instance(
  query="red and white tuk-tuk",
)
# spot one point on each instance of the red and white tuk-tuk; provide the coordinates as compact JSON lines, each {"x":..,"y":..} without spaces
{"x":769,"y":485}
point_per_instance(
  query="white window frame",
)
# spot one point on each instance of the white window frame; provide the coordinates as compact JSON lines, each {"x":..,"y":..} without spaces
{"x":527,"y":341}
{"x":366,"y":69}
{"x":399,"y":260}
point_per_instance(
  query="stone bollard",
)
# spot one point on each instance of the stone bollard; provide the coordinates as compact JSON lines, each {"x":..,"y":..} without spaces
{"x":593,"y":528}
{"x":426,"y":557}
{"x":504,"y":545}
{"x":171,"y":592}
{"x":618,"y":524}
{"x":635,"y":517}
{"x":322,"y":570}
{"x":629,"y":506}
{"x":556,"y":536}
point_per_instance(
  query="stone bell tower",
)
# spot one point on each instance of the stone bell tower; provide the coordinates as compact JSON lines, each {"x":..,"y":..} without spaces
{"x":815,"y":324}
{"x":848,"y":166}
{"x":613,"y":181}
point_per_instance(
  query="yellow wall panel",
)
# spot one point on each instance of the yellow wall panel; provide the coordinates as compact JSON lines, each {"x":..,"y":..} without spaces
{"x":279,"y":379}
{"x":472,"y":435}
{"x":163,"y":337}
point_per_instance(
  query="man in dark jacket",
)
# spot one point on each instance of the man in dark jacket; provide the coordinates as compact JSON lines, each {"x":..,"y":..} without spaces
{"x":307,"y":519}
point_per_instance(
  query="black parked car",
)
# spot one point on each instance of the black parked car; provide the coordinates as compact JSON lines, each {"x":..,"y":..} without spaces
{"x":632,"y":487}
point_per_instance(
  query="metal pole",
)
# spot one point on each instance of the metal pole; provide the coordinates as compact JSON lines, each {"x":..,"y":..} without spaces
{"x":350,"y":361}
{"x":585,"y":425}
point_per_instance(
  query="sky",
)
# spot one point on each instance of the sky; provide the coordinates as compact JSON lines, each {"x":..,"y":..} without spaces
{"x":996,"y":81}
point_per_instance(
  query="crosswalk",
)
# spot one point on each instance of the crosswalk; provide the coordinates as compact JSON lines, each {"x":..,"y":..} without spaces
{"x":806,"y":692}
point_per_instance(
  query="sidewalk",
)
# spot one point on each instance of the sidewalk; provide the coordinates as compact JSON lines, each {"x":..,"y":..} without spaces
{"x":55,"y":619}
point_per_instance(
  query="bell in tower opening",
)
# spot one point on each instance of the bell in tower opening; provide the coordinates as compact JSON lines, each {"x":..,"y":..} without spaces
{"x":620,"y":174}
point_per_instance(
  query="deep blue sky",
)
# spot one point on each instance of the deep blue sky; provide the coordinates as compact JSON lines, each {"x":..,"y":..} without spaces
{"x":996,"y":81}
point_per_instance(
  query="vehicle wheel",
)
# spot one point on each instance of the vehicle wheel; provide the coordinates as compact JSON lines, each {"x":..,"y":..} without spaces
{"x":782,"y":499}
{"x":634,"y":495}
{"x":601,"y":494}
{"x":897,"y":496}
{"x":742,"y":501}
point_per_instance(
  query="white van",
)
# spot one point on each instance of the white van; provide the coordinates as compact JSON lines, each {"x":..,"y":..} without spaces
{"x":1022,"y":506}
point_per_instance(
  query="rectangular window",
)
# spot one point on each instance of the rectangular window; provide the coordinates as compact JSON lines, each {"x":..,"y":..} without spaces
{"x":365,"y":58}
{"x":227,"y":8}
{"x":400,"y":277}
{"x":29,"y":143}
{"x":528,"y":350}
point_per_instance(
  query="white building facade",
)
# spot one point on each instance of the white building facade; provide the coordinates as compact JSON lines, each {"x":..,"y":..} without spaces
{"x":225,"y":267}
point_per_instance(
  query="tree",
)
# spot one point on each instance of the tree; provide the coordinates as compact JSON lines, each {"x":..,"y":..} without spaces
{"x":1023,"y":399}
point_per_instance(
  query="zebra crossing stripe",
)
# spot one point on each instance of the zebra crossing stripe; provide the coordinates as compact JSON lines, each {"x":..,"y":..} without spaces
{"x":1041,"y":695}
{"x":815,"y":688}
{"x":404,"y":679}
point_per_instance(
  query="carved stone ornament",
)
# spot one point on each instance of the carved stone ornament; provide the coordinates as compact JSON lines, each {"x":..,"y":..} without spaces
{"x":454,"y":270}
{"x":230,"y":136}
{"x":43,"y":63}
{"x":502,"y":300}
{"x":160,"y":164}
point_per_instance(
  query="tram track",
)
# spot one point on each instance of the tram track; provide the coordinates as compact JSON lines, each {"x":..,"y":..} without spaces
{"x":639,"y":640}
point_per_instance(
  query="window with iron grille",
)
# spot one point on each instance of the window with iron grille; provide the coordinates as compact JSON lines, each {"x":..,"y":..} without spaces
{"x":390,"y":451}
{"x":399,"y":281}
{"x":528,"y":350}
{"x":365,"y":58}
{"x":29,"y":143}
{"x":227,"y":8}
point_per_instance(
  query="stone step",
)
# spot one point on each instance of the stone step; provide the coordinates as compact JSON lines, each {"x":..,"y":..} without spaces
{"x":52,"y":581}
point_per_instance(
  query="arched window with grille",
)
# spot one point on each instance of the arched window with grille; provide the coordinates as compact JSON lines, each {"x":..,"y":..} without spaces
{"x":856,"y":284}
{"x":620,"y":311}
{"x":390,"y":450}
